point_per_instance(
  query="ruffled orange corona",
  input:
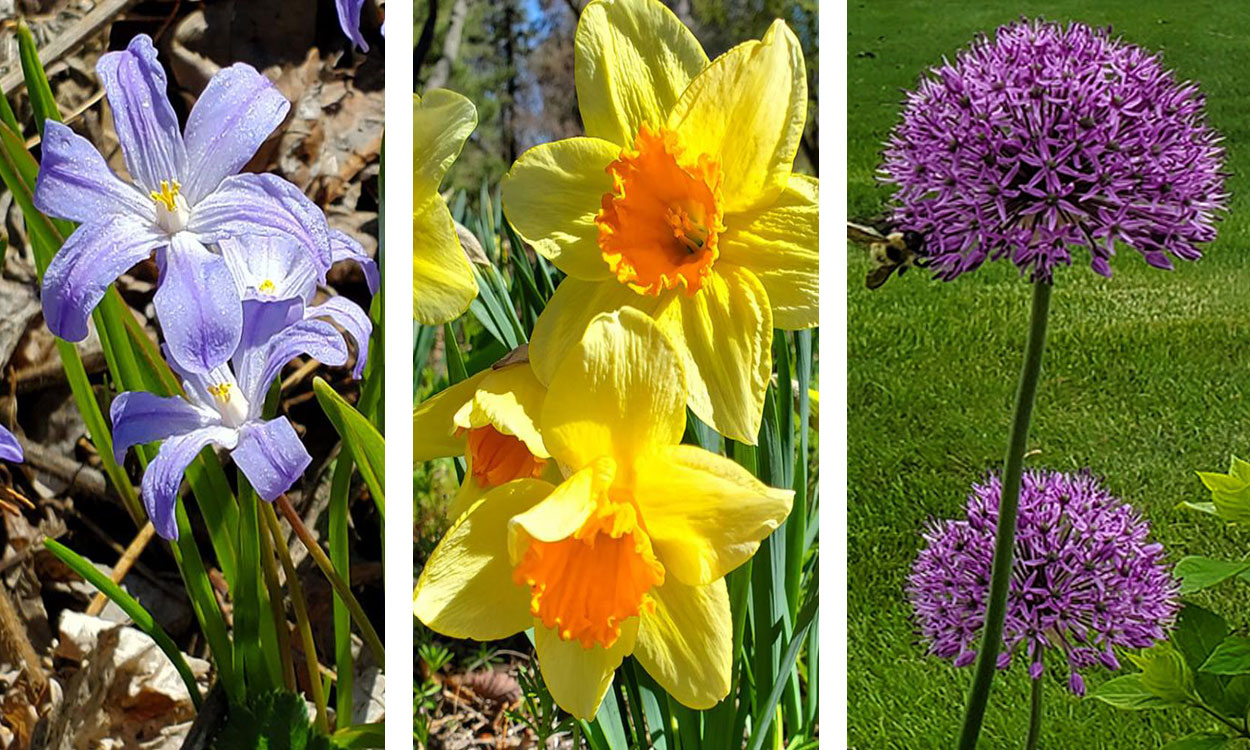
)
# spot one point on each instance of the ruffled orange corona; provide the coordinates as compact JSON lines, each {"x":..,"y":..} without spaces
{"x":659,"y":226}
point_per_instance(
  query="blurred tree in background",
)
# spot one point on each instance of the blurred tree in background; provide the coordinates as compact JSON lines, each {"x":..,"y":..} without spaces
{"x":514,"y":60}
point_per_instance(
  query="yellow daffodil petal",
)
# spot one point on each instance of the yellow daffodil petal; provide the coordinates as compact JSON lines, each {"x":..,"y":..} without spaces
{"x":621,"y":391}
{"x":433,"y":421}
{"x":706,"y":515}
{"x":747,"y":112}
{"x":509,"y":399}
{"x":552,"y":195}
{"x":577,"y":677}
{"x":686,"y":644}
{"x":466,"y":588}
{"x":470,"y":492}
{"x":779,"y":243}
{"x":442,"y":280}
{"x":563,"y":510}
{"x":441,"y":123}
{"x":568,"y":313}
{"x":633,"y":60}
{"x":724,"y":334}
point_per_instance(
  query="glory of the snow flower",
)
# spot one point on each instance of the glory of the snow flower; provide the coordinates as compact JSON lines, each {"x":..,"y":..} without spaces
{"x":184,"y":194}
{"x":10,"y":449}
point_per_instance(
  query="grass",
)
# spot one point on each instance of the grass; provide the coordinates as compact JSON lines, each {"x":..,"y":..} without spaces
{"x":1144,"y":380}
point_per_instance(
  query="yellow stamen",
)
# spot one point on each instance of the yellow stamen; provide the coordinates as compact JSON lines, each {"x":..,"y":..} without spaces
{"x":168,"y":195}
{"x":220,"y":392}
{"x":267,"y":287}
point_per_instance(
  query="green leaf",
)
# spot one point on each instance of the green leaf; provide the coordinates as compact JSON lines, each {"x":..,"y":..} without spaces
{"x":37,"y":87}
{"x":1198,"y":573}
{"x":1231,"y":657}
{"x":1200,"y":507}
{"x":1129,"y":694}
{"x":1199,"y":741}
{"x":133,"y":609}
{"x":367,"y":447}
{"x":1198,"y":632}
{"x":275,"y":720}
{"x":1165,"y":673}
{"x":1230,"y":493}
{"x":340,"y":486}
{"x":360,"y":737}
{"x":804,"y":621}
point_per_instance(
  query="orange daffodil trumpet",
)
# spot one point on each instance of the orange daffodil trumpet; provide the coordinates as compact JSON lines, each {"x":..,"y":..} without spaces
{"x":680,"y":202}
{"x":492,"y":420}
{"x":442,"y":279}
{"x":628,"y":553}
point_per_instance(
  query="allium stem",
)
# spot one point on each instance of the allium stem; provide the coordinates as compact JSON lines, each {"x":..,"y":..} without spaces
{"x":996,"y":609}
{"x":1035,"y":715}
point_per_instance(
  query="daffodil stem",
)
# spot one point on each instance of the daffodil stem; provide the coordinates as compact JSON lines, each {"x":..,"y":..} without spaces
{"x":1035,"y":715}
{"x":996,"y":608}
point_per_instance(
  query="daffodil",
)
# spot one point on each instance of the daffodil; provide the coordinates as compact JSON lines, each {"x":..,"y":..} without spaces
{"x":681,"y":201}
{"x":492,"y":420}
{"x":628,"y":554}
{"x":442,"y":280}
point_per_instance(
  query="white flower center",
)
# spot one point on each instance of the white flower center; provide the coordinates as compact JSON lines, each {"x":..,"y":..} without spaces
{"x":172,"y":210}
{"x":230,"y":403}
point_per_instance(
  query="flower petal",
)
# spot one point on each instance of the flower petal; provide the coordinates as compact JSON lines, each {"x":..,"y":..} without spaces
{"x":442,"y":280}
{"x":780,"y":244}
{"x":271,"y":456}
{"x":441,"y":122}
{"x":91,"y":259}
{"x":510,"y":399}
{"x":470,"y":492}
{"x":142,"y":116}
{"x":686,"y":644}
{"x":198,"y":306}
{"x":563,"y":510}
{"x":140,"y":417}
{"x":164,"y":474}
{"x":276,"y":264}
{"x":349,"y":21}
{"x":466,"y":588}
{"x":75,"y":183}
{"x":633,"y":60}
{"x":622,"y":391}
{"x":355,"y":321}
{"x":747,"y":111}
{"x":234,"y":115}
{"x":311,"y":338}
{"x":577,"y":677}
{"x":706,"y":515}
{"x":568,"y":313}
{"x":724,"y":333}
{"x":263,"y":204}
{"x":10,"y":449}
{"x":433,"y":421}
{"x":343,"y":247}
{"x":552,"y":195}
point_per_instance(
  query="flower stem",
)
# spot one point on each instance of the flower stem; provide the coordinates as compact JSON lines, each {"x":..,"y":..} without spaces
{"x":1035,"y":715}
{"x":996,"y":608}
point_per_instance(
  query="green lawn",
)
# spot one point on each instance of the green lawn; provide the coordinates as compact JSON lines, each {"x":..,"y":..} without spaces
{"x":1144,"y":379}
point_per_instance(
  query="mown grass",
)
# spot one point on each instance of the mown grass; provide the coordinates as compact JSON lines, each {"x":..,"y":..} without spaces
{"x":1144,"y":379}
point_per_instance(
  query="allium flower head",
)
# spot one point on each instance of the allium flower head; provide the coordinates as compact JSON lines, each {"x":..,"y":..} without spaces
{"x":1047,"y":138}
{"x":1084,"y":579}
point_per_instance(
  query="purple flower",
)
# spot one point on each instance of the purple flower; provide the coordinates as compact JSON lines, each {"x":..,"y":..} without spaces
{"x":1046,"y":138}
{"x":349,"y":21}
{"x":184,"y":195}
{"x":277,"y":282}
{"x":223,"y":408}
{"x":1084,"y":579}
{"x":10,"y":449}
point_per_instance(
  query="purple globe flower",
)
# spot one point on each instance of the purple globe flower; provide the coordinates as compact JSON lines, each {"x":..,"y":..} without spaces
{"x":1084,"y":579}
{"x":1045,"y":139}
